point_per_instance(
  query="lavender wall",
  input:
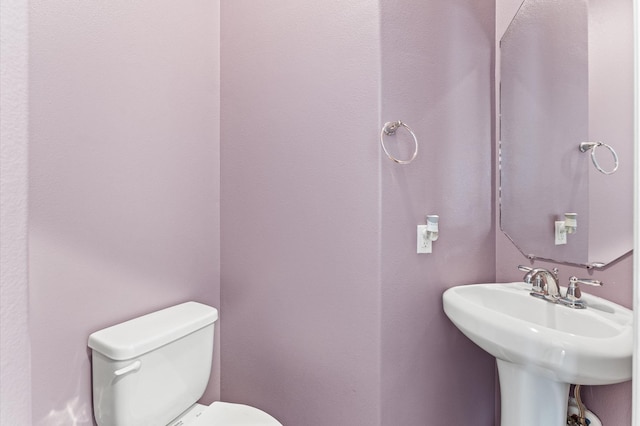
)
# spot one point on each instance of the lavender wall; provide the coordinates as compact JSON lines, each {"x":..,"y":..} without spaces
{"x":329,"y":316}
{"x":124,"y":181}
{"x":15,"y":370}
{"x":437,"y":76}
{"x":300,"y":209}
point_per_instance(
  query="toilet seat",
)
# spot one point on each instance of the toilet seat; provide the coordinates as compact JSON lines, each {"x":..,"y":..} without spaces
{"x":228,"y":414}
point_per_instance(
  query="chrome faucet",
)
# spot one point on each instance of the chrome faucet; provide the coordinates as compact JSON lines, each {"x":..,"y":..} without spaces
{"x":544,"y":282}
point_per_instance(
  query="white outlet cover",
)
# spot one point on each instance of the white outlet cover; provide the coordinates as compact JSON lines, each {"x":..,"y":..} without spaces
{"x":561,"y":233}
{"x":425,"y":245}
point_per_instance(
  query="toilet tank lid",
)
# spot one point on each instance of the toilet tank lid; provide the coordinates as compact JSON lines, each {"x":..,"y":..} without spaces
{"x":143,"y":334}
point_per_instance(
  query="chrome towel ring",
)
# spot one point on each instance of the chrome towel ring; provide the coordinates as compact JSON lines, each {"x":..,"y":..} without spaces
{"x":390,"y":129}
{"x":591,"y":146}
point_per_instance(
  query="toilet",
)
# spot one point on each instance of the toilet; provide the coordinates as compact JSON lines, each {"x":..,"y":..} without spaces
{"x":151,"y":370}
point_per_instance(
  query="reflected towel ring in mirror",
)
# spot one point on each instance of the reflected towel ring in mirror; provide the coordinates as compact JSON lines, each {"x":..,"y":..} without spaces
{"x":591,"y":146}
{"x":390,"y":129}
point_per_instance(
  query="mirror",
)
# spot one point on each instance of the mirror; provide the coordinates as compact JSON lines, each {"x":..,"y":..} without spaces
{"x":566,"y":77}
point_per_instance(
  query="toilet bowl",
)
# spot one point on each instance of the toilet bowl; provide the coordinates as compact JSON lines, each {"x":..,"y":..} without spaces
{"x":153,"y":369}
{"x":225,"y":413}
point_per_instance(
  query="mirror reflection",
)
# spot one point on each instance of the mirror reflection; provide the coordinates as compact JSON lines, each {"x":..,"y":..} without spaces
{"x":566,"y":78}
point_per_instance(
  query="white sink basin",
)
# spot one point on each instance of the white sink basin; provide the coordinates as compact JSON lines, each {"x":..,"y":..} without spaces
{"x":590,"y":346}
{"x":543,"y":347}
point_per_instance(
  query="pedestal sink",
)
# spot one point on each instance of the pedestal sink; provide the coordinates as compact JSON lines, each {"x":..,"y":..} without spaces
{"x":541,"y":347}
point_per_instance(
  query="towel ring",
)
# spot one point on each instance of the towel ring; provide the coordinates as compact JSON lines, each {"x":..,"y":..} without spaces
{"x":390,"y":129}
{"x":591,"y":146}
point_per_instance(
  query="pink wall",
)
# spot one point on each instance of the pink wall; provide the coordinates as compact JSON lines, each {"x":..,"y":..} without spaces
{"x":437,"y":76}
{"x":300,"y":209}
{"x":15,"y":370}
{"x":329,"y":316}
{"x":124,"y":181}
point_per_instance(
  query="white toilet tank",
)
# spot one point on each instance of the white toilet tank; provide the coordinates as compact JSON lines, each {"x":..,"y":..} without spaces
{"x":148,"y":370}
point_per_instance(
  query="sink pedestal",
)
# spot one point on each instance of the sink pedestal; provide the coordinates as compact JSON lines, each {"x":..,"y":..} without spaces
{"x":547,"y":346}
{"x":528,"y":399}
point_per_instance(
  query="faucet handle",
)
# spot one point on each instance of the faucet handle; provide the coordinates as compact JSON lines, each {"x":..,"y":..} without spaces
{"x":537,"y":288}
{"x":572,"y":299}
{"x":574,"y":281}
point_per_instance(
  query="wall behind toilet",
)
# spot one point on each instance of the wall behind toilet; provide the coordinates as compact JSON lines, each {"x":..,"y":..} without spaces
{"x":299,"y":219}
{"x":124,"y":181}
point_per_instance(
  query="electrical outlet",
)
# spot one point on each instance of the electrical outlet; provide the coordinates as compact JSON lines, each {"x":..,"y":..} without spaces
{"x":424,"y":244}
{"x":561,"y":233}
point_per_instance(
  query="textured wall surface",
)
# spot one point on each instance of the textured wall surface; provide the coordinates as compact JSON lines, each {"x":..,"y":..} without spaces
{"x":15,"y":370}
{"x":124,"y":178}
{"x":300,"y":209}
{"x":437,"y":76}
{"x":319,"y":272}
{"x":328,"y":316}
